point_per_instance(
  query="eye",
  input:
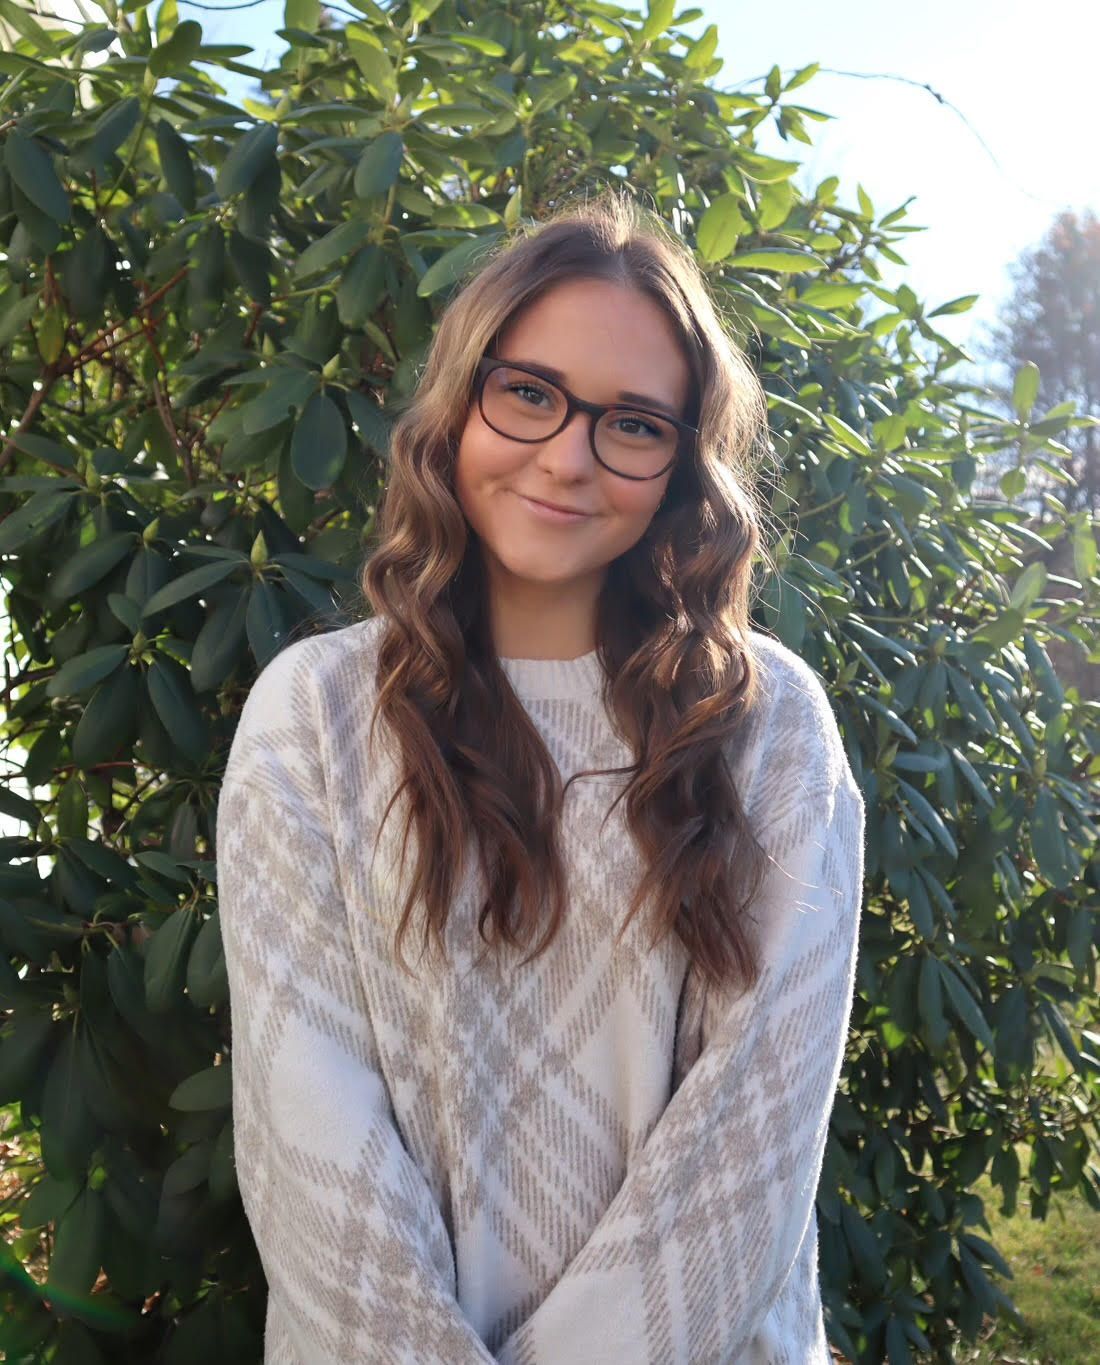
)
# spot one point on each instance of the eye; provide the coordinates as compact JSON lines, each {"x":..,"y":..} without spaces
{"x":523,"y":388}
{"x":637,"y":425}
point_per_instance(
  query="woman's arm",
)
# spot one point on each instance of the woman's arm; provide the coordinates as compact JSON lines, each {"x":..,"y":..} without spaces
{"x":353,"y":1245}
{"x":689,"y":1260}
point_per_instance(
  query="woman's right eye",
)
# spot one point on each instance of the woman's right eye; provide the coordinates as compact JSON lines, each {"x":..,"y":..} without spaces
{"x":526,"y":389}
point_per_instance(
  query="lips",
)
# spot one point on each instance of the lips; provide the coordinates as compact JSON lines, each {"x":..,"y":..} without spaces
{"x":557,"y":506}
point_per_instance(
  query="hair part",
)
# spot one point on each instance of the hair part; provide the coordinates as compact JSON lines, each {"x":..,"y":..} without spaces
{"x":673,"y":624}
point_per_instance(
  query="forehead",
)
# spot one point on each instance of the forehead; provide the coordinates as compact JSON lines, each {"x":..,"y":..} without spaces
{"x":604,"y":338}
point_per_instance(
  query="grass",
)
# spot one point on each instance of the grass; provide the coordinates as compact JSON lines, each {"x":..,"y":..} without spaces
{"x":1056,"y":1265}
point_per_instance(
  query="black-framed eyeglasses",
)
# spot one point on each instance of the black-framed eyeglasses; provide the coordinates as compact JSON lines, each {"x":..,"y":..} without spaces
{"x":631,"y":441}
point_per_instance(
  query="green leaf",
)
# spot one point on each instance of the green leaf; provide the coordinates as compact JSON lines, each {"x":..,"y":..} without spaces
{"x":1025,"y":389}
{"x":110,"y":131}
{"x":380,"y":165}
{"x":109,"y":720}
{"x":453,"y":264}
{"x":15,"y":313}
{"x":846,"y":435}
{"x":78,"y":1249}
{"x":89,"y":565}
{"x":1029,"y":586}
{"x":31,"y":168}
{"x":930,"y":1002}
{"x":69,"y":1130}
{"x":252,"y":264}
{"x":319,"y":445}
{"x":370,"y":421}
{"x":1048,"y":842}
{"x":22,"y":1052}
{"x":826,"y":294}
{"x":267,"y":621}
{"x":178,"y":52}
{"x":720,"y":227}
{"x":927,"y":814}
{"x":966,"y":1007}
{"x":207,"y":980}
{"x":303,"y":14}
{"x":701,"y":53}
{"x":373,"y":62}
{"x":658,"y":18}
{"x":42,"y":448}
{"x":209,"y":1089}
{"x":286,"y":389}
{"x":332,"y":247}
{"x":361,"y":287}
{"x":173,"y":698}
{"x":777,"y":259}
{"x":963,"y":304}
{"x":192,"y":583}
{"x":85,"y":670}
{"x":249,"y":155}
{"x":175,"y":164}
{"x":166,"y":955}
{"x":220,"y":644}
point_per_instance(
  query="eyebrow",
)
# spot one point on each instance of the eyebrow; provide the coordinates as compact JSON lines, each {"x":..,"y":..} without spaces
{"x":626,"y":395}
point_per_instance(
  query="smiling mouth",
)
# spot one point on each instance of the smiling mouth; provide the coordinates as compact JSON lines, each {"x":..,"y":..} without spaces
{"x":556,"y":507}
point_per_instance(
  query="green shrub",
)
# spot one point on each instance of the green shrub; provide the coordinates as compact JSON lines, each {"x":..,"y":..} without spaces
{"x":210,"y":311}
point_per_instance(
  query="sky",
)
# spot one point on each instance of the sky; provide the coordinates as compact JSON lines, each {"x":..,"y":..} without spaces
{"x":1017,"y":77}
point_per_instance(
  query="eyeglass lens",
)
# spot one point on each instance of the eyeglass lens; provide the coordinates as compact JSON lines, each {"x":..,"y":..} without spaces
{"x":525,"y":407}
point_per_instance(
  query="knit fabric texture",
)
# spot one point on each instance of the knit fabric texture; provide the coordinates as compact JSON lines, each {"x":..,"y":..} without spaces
{"x":593,"y":1159}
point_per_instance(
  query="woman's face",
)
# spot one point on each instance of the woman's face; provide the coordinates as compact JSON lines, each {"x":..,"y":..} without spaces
{"x":605,"y":339}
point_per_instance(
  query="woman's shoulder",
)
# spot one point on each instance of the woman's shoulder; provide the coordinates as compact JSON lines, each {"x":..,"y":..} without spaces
{"x":792,"y":736}
{"x":301,"y":691}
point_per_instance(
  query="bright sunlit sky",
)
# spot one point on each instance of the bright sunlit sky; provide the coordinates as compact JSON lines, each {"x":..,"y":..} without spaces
{"x":1022,"y":76}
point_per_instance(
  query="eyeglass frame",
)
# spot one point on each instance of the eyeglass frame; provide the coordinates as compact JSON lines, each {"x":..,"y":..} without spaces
{"x":573,"y":404}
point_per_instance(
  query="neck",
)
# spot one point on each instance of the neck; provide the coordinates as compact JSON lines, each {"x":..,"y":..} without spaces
{"x":533,"y":620}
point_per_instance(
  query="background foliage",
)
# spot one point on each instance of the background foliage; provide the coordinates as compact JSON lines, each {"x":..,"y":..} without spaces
{"x":211,"y":310}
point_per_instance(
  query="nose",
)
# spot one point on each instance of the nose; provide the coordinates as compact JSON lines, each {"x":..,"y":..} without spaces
{"x":568,"y":454}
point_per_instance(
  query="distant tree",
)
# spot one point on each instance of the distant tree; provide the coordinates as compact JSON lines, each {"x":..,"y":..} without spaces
{"x":1052,"y":321}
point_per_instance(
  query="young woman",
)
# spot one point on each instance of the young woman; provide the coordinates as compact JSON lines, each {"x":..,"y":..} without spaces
{"x":586,"y":1126}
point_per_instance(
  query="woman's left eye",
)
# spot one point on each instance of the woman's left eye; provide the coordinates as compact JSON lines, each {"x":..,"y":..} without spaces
{"x":649,"y":428}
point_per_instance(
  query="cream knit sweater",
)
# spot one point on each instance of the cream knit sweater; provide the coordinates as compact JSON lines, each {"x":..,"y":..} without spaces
{"x":589,"y":1161}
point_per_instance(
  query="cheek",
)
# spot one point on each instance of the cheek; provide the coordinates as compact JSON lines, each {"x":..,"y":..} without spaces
{"x":481,"y":462}
{"x":634,"y":504}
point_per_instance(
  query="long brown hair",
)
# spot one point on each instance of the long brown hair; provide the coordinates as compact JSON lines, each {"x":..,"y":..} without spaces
{"x":672,"y":623}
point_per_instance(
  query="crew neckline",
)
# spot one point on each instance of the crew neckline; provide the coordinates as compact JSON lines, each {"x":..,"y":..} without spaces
{"x":581,"y":678}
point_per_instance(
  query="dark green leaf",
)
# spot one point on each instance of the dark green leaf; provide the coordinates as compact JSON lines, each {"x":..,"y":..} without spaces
{"x":249,"y":155}
{"x":209,"y":1089}
{"x":318,"y":447}
{"x":179,"y":51}
{"x":379,"y":165}
{"x":78,"y":1248}
{"x":109,"y":720}
{"x":31,"y":168}
{"x":166,"y":961}
{"x":175,"y":164}
{"x":192,"y":584}
{"x":332,"y":247}
{"x":85,"y":670}
{"x":89,"y":565}
{"x":966,"y":1007}
{"x":173,"y":697}
{"x":267,"y":621}
{"x":453,"y":264}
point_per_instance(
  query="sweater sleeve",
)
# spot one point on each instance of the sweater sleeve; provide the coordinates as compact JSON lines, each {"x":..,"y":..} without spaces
{"x":713,"y":1220}
{"x":355,"y":1251}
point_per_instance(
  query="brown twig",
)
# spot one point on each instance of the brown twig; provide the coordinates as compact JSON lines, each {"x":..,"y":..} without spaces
{"x":164,"y":408}
{"x":37,"y":398}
